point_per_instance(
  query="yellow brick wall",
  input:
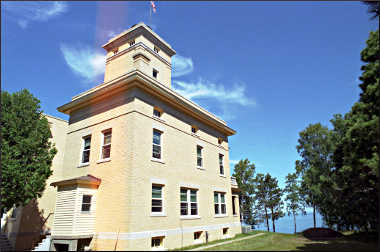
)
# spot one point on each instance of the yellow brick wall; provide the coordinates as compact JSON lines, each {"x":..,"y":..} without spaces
{"x":124,"y":195}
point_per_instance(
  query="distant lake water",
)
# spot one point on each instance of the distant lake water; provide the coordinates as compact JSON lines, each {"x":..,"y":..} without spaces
{"x":286,"y":223}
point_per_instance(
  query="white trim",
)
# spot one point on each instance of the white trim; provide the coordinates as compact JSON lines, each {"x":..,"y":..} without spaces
{"x":220,"y":215}
{"x":158,"y":181}
{"x":103,"y":160}
{"x":200,"y":144}
{"x":83,"y":164}
{"x":190,"y":186}
{"x":219,"y":189}
{"x":190,"y":217}
{"x":201,"y":168}
{"x":147,"y":234}
{"x":158,"y":126}
{"x":162,"y":213}
{"x":222,"y":176}
{"x":157,"y":160}
{"x":157,"y":214}
{"x":82,"y":150}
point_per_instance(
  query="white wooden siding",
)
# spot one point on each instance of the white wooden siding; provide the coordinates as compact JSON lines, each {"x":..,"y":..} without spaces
{"x":68,"y":216}
{"x":64,"y":211}
{"x":84,"y":221}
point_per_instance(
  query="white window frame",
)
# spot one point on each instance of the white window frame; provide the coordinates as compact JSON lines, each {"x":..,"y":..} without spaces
{"x":162,"y":213}
{"x":102,"y":145}
{"x":220,"y":214}
{"x":188,"y":201}
{"x":81,"y":206}
{"x":161,"y":159}
{"x":221,"y":164}
{"x":82,"y":150}
{"x":201,"y":156}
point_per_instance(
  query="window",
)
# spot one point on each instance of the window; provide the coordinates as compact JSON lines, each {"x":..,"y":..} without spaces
{"x":233,"y":205}
{"x":115,"y":51}
{"x":106,"y":148}
{"x":197,"y":235}
{"x":86,"y":149}
{"x":194,"y":129}
{"x":219,"y":203}
{"x":157,"y":242}
{"x":225,"y":231}
{"x":189,"y":203}
{"x":221,"y":168}
{"x":155,"y":73}
{"x":86,"y":203}
{"x":156,"y":144}
{"x":156,"y":49}
{"x":157,"y":112}
{"x":131,"y":43}
{"x":156,"y":199}
{"x":220,"y":140}
{"x":199,"y":156}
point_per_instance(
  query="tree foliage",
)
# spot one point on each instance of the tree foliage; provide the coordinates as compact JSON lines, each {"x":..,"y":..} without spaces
{"x":340,"y":167}
{"x":26,"y":152}
{"x":268,"y":198}
{"x":294,"y":197}
{"x":244,"y":173}
{"x":316,"y":148}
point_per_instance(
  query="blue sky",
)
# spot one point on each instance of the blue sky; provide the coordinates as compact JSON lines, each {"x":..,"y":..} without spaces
{"x":268,"y":68}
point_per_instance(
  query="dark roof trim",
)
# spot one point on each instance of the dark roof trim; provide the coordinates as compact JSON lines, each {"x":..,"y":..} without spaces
{"x":87,"y":180}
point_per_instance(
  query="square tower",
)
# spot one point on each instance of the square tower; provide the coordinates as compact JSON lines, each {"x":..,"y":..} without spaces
{"x":139,"y":48}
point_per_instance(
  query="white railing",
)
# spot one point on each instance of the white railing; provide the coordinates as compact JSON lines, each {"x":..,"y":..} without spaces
{"x":233,"y":181}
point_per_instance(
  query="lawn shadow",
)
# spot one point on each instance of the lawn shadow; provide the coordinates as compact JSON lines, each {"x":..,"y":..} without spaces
{"x":338,"y":244}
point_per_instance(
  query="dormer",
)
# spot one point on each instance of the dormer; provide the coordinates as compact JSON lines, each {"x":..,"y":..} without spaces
{"x":139,"y":48}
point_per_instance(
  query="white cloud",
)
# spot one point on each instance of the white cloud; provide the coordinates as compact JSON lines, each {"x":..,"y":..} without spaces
{"x":206,"y":89}
{"x":233,"y":162}
{"x":26,"y":12}
{"x":84,"y":61}
{"x":181,"y":65}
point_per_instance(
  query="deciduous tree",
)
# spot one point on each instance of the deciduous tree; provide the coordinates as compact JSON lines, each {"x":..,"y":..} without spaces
{"x":26,"y":150}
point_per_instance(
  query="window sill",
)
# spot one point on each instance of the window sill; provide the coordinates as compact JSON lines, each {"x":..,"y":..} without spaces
{"x":158,"y":215}
{"x":220,"y":215}
{"x":195,"y":135}
{"x":199,"y":241}
{"x":190,"y":217}
{"x":223,"y":176}
{"x":235,"y":215}
{"x":157,"y":160}
{"x":103,"y":160}
{"x":83,"y":165}
{"x":159,"y":249}
{"x":201,"y":168}
{"x":158,"y":119}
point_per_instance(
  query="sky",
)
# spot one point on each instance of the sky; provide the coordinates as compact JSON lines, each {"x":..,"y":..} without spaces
{"x":269,"y":69}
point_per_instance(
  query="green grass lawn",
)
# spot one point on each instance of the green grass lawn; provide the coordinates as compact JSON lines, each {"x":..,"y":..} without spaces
{"x":218,"y":241}
{"x":284,"y":242}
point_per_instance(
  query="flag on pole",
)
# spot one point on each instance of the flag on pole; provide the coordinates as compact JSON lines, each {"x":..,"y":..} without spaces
{"x":153,"y":6}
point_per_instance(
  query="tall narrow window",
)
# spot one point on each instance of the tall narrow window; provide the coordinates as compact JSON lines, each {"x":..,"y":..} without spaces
{"x":155,"y":73}
{"x":221,"y":167}
{"x":219,"y":203}
{"x":184,"y":209}
{"x":156,"y":144}
{"x":156,"y":199}
{"x":233,"y":205}
{"x":156,"y":49}
{"x":86,"y":149}
{"x":189,"y":202}
{"x":106,"y":148}
{"x":216,"y":202}
{"x":199,"y":156}
{"x":131,"y":43}
{"x":156,"y":113}
{"x":86,"y":203}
